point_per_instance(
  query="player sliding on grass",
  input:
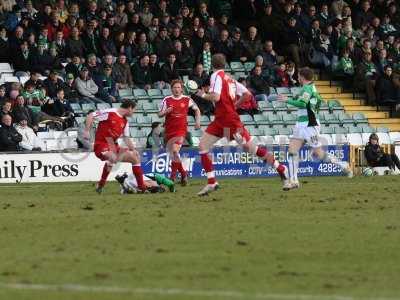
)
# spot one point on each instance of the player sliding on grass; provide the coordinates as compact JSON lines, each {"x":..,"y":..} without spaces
{"x":307,"y":128}
{"x":175,"y":110}
{"x":223,"y":92}
{"x":113,"y":124}
{"x":153,"y":182}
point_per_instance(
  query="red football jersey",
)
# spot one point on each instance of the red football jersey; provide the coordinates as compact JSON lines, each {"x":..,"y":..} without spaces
{"x":226,"y":87}
{"x":111,"y":126}
{"x":176,"y":121}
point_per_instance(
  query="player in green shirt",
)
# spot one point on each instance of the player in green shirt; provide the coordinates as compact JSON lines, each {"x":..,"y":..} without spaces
{"x":307,"y":128}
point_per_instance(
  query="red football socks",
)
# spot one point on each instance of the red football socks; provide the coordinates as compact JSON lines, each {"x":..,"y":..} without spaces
{"x":106,"y":170}
{"x":137,"y":171}
{"x":208,"y":167}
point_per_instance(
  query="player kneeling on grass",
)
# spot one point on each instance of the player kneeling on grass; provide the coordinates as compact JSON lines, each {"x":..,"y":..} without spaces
{"x":223,"y":93}
{"x":307,"y":128}
{"x":113,"y":124}
{"x":175,"y":110}
{"x":154,"y":183}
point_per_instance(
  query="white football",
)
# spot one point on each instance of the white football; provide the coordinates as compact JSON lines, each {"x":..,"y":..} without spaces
{"x":191,"y":86}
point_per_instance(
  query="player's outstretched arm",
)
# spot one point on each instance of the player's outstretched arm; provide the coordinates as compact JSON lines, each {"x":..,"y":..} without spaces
{"x":242,"y":99}
{"x":163,"y":112}
{"x":211,"y":96}
{"x":299,"y":102}
{"x":197,"y":116}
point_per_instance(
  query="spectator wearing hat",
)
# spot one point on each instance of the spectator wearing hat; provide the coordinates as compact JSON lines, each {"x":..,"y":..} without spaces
{"x":86,"y":87}
{"x":122,"y":73}
{"x":29,"y":141}
{"x":237,"y":47}
{"x":141,"y":73}
{"x":162,"y":44}
{"x":70,"y":91}
{"x":9,"y":136}
{"x":376,"y":157}
{"x":169,"y":70}
{"x":74,"y":44}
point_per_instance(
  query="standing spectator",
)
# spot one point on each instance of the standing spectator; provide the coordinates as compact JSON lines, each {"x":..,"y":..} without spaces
{"x":141,"y":73}
{"x":122,"y":73}
{"x":22,"y":60}
{"x":270,"y":25}
{"x":29,"y":139}
{"x":155,"y":72}
{"x":386,"y":91}
{"x":205,"y":57}
{"x":293,"y":40}
{"x":169,"y":70}
{"x":376,"y":157}
{"x":365,"y":76}
{"x":74,"y":44}
{"x":9,"y":136}
{"x":198,"y":40}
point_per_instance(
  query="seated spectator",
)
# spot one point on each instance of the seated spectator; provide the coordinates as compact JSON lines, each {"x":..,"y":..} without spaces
{"x":162,"y":44}
{"x":205,"y":57}
{"x":70,"y":91}
{"x":386,"y":91}
{"x":74,"y":66}
{"x":169,"y":70}
{"x":23,"y":59}
{"x":59,"y":108}
{"x":199,"y":75}
{"x":6,"y":108}
{"x":141,"y":73}
{"x":292,"y":74}
{"x":365,"y":77}
{"x":249,"y":104}
{"x":155,"y":73}
{"x":107,"y":86}
{"x":74,"y":44}
{"x":321,"y":53}
{"x":155,"y":136}
{"x":292,"y":40}
{"x":257,"y":85}
{"x":52,"y":84}
{"x":35,"y":80}
{"x":2,"y":94}
{"x":29,"y":139}
{"x":270,"y":58}
{"x":9,"y":136}
{"x":282,"y":78}
{"x":376,"y":157}
{"x":237,"y":49}
{"x":222,"y":45}
{"x":184,"y":58}
{"x":92,"y":65}
{"x":86,"y":87}
{"x":122,"y":73}
{"x":143,"y":47}
{"x":345,"y":67}
{"x":42,"y":61}
{"x":33,"y":96}
{"x":106,"y":43}
{"x":23,"y":112}
{"x":252,"y":44}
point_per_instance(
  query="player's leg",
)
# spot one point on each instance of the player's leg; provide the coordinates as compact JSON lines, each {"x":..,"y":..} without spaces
{"x":110,"y":158}
{"x":174,"y":145}
{"x":133,"y":157}
{"x":293,"y":162}
{"x":162,"y":180}
{"x":205,"y":145}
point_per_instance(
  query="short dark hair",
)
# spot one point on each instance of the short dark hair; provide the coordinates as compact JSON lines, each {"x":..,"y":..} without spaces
{"x":155,"y":125}
{"x":218,"y":61}
{"x":307,"y":73}
{"x":127,"y":103}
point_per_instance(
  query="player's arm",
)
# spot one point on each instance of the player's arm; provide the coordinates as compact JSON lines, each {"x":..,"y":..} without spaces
{"x":197,"y":113}
{"x":164,"y":109}
{"x":126,"y":138}
{"x":300,"y":101}
{"x":211,"y":96}
{"x":214,"y":93}
{"x":243,"y":93}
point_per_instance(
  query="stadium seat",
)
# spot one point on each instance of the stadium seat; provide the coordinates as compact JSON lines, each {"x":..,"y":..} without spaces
{"x":196,"y":141}
{"x":295,"y":90}
{"x":272,"y":91}
{"x":324,"y":106}
{"x":394,"y":137}
{"x":283,"y":90}
{"x":334,"y":105}
{"x":275,"y":119}
{"x":289,"y":119}
{"x":191,"y":120}
{"x":384,"y":138}
{"x":80,"y":120}
{"x":148,"y":107}
{"x":86,"y":107}
{"x":265,"y":140}
{"x":382,"y":129}
{"x":330,"y":119}
{"x":265,"y":106}
{"x":327,"y":130}
{"x":284,"y":131}
{"x":248,"y":66}
{"x":101,"y":106}
{"x":136,"y":133}
{"x":279,"y":106}
{"x":261,"y":119}
{"x":340,"y":139}
{"x":140,"y":94}
{"x":344,"y":118}
{"x":132,"y":120}
{"x":354,"y":129}
{"x":365,"y":137}
{"x":196,"y":133}
{"x":143,"y":120}
{"x":116,"y":105}
{"x":156,"y":118}
{"x":281,"y":139}
{"x":256,"y":132}
{"x":360,"y":118}
{"x":76,"y":107}
{"x":246,"y":119}
{"x":166,"y":92}
{"x":237,"y":66}
{"x":204,"y":120}
{"x":341,"y":130}
{"x":355,"y":139}
{"x":155,"y":94}
{"x":368,"y":129}
{"x":270,"y":131}
{"x":238,"y":75}
{"x":126,"y":93}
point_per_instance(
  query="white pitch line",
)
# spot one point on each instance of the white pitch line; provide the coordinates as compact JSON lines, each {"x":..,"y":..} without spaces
{"x":176,"y":292}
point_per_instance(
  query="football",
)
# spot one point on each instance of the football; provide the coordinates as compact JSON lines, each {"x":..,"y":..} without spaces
{"x":191,"y":86}
{"x":368,"y":172}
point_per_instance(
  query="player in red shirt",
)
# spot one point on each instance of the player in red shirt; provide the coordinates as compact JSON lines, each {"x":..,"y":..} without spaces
{"x":113,"y":124}
{"x":223,"y":92}
{"x":175,"y":110}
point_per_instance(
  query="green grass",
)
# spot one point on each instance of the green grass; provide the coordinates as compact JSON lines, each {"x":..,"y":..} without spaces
{"x":334,"y":236}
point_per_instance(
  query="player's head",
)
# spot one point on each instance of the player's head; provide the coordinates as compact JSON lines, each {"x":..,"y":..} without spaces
{"x":176,"y":87}
{"x":306,"y":75}
{"x":218,"y":61}
{"x":128,"y":107}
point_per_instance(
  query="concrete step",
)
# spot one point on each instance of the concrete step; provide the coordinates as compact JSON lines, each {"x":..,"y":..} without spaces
{"x":321,"y":83}
{"x":351,"y":102}
{"x":371,"y":115}
{"x":328,"y":96}
{"x":359,"y":108}
{"x":392,"y":127}
{"x":392,"y":121}
{"x":328,"y":89}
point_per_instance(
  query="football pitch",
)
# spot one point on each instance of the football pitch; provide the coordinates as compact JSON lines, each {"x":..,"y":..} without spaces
{"x":335,"y":238}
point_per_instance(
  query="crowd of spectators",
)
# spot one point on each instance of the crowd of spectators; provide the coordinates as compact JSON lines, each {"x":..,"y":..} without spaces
{"x":88,"y":51}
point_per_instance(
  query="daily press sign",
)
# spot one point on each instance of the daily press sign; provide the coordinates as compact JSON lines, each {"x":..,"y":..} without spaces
{"x":228,"y":162}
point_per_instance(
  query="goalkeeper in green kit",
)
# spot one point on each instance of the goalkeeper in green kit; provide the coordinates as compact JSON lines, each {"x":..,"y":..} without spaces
{"x":307,"y":128}
{"x":154,"y":183}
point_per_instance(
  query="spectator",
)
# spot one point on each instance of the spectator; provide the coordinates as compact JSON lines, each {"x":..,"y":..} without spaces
{"x":270,"y":58}
{"x":4,"y":45}
{"x":74,"y":44}
{"x":155,"y":136}
{"x":199,"y":75}
{"x":34,"y":79}
{"x":6,"y":108}
{"x":106,"y":43}
{"x":121,"y":18}
{"x":270,"y":25}
{"x":155,"y":72}
{"x":3,"y":97}
{"x":293,"y":40}
{"x":29,"y":139}
{"x":162,"y":44}
{"x":376,"y":157}
{"x":257,"y":85}
{"x":212,"y":31}
{"x":32,"y":95}
{"x":90,"y":39}
{"x":292,"y":74}
{"x":122,"y":73}
{"x":23,"y":59}
{"x":387,"y":93}
{"x":381,"y":62}
{"x":237,"y":47}
{"x":9,"y":136}
{"x":345,"y":68}
{"x":143,"y":47}
{"x":86,"y":87}
{"x":141,"y":73}
{"x":252,"y":44}
{"x":60,"y":108}
{"x":364,"y":15}
{"x":205,"y":57}
{"x":70,"y":91}
{"x":282,"y":78}
{"x":146,"y":16}
{"x":365,"y":77}
{"x":198,"y":40}
{"x":52,"y":84}
{"x":249,"y":105}
{"x":107,"y":85}
{"x":222,"y":45}
{"x":184,"y":58}
{"x":74,"y":66}
{"x":92,"y":65}
{"x":169,"y":70}
{"x":23,"y":112}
